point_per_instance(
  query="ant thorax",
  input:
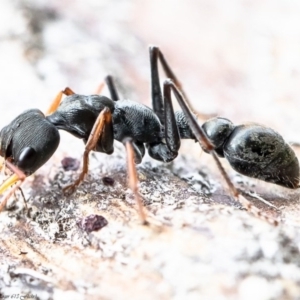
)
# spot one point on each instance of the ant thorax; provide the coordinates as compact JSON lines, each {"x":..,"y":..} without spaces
{"x":135,"y":120}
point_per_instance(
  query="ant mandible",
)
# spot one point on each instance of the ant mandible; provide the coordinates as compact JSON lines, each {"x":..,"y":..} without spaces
{"x":252,"y":150}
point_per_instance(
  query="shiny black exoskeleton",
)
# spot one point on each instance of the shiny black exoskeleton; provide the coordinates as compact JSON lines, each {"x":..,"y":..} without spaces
{"x":252,"y":150}
{"x":255,"y":151}
{"x":159,"y":130}
{"x":77,"y":115}
{"x":29,"y":141}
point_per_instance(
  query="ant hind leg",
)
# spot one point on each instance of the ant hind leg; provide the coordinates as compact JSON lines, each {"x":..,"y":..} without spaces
{"x":208,"y":146}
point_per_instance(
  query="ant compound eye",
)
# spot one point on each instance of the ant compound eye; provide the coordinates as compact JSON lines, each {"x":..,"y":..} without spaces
{"x":26,"y":158}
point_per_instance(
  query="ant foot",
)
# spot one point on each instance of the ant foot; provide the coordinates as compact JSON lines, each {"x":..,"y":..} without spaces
{"x":69,"y":189}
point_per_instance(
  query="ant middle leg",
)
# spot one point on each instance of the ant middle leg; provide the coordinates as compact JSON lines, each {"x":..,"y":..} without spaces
{"x":167,"y":149}
{"x":100,"y":136}
{"x":112,"y":88}
{"x":139,"y":151}
{"x":133,"y":179}
{"x":209,"y":147}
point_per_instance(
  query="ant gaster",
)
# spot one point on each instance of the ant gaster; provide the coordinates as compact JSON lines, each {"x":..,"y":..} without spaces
{"x":253,"y":150}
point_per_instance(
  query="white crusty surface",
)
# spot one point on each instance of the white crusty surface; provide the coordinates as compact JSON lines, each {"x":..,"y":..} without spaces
{"x":239,"y":60}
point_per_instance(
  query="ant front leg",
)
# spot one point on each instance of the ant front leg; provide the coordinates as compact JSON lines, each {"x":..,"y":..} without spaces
{"x":55,"y":103}
{"x":209,"y":147}
{"x":18,"y":177}
{"x":100,"y":135}
{"x":100,"y":88}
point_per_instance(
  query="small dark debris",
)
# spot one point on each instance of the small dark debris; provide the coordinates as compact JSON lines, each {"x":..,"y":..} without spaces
{"x":92,"y":223}
{"x":70,"y":164}
{"x":108,"y":181}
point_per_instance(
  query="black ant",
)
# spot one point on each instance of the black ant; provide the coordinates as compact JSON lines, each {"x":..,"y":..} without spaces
{"x":252,"y":150}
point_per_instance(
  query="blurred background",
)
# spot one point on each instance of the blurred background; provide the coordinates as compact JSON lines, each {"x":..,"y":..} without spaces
{"x":238,"y":59}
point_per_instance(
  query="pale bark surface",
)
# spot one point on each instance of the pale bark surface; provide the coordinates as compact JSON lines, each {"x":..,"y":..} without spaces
{"x":234,"y":60}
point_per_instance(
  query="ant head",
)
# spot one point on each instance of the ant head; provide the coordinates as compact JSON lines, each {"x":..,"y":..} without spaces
{"x":218,"y":130}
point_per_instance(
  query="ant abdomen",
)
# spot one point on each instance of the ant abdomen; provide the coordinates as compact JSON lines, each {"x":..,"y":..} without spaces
{"x":255,"y":151}
{"x":262,"y":153}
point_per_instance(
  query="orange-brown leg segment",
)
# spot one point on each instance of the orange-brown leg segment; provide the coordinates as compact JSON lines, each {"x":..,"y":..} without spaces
{"x":100,"y":88}
{"x":55,"y":103}
{"x":18,"y":177}
{"x":133,"y":180}
{"x":104,"y":119}
{"x":206,"y":144}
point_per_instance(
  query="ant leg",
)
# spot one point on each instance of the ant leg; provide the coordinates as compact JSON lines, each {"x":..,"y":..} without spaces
{"x":100,"y":88}
{"x":171,"y":129}
{"x":112,"y":88}
{"x":208,"y":146}
{"x":168,"y":150}
{"x":156,"y":55}
{"x":139,"y":151}
{"x":156,"y":94}
{"x":104,"y":121}
{"x":23,"y":197}
{"x":55,"y":103}
{"x":258,"y":197}
{"x":133,"y":180}
{"x":17,"y":176}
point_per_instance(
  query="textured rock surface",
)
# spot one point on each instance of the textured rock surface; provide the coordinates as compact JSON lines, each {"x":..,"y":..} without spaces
{"x":199,"y":244}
